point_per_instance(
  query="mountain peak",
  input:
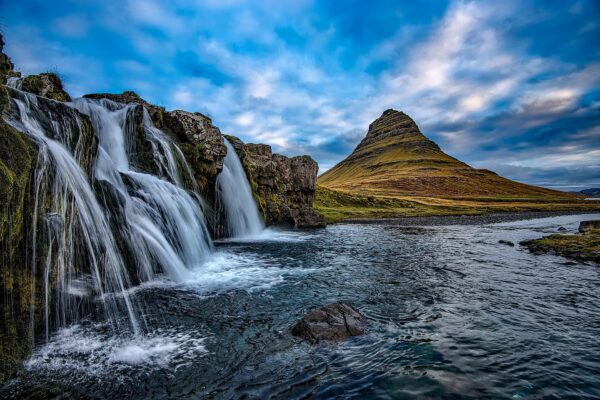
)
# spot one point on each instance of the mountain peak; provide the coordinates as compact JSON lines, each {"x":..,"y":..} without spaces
{"x":391,"y":123}
{"x":396,"y":159}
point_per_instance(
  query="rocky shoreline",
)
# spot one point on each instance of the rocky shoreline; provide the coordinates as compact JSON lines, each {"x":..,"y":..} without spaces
{"x":481,"y":219}
{"x":583,"y":246}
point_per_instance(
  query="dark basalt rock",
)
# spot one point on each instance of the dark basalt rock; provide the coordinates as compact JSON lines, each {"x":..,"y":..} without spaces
{"x":201,"y":143}
{"x":506,"y":242}
{"x":586,"y":226}
{"x":333,"y":322}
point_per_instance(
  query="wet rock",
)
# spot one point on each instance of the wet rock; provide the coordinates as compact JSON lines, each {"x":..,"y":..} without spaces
{"x":7,"y":70}
{"x":562,"y":229}
{"x":333,"y":322}
{"x":127,"y":97}
{"x":506,"y":242}
{"x":198,"y":139}
{"x":202,"y":144}
{"x":586,"y":226}
{"x":46,"y":85}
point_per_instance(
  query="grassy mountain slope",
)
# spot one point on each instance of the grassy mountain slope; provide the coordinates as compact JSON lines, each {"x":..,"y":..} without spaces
{"x":396,"y":171}
{"x":396,"y":159}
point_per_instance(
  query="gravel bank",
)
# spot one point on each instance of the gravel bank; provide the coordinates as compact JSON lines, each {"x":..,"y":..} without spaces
{"x":464,"y":219}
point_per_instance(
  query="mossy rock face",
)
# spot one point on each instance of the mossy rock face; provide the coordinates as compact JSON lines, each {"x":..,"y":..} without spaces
{"x":18,"y":155}
{"x":6,"y":71}
{"x":46,"y":85}
{"x":7,"y":68}
{"x":21,"y":286}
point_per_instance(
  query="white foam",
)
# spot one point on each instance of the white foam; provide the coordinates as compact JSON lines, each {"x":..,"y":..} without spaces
{"x":270,"y":235}
{"x":226,"y":271}
{"x":94,"y":350}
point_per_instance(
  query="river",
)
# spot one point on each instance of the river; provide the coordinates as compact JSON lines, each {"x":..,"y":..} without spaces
{"x":452,"y":314}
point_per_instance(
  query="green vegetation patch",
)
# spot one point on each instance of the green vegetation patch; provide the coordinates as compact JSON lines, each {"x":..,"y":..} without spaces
{"x":580,"y":247}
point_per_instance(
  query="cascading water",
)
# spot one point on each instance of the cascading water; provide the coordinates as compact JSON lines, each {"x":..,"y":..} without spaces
{"x":92,"y":240}
{"x":163,"y":224}
{"x":78,"y":231}
{"x":241,"y":212}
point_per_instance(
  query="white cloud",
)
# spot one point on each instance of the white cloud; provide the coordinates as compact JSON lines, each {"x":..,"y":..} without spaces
{"x":244,"y":119}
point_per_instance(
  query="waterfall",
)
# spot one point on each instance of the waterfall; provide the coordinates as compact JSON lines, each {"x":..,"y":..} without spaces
{"x":96,"y":233}
{"x":14,"y":82}
{"x":79,"y":232}
{"x":241,"y":212}
{"x":163,"y":223}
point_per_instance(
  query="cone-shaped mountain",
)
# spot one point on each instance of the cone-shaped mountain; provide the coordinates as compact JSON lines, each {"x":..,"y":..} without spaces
{"x":396,"y":159}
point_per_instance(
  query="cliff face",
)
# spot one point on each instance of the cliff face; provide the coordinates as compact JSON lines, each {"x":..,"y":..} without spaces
{"x":284,"y":187}
{"x":21,"y":284}
{"x":198,"y":139}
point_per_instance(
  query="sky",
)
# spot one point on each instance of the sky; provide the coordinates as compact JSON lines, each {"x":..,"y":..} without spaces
{"x":511,"y":86}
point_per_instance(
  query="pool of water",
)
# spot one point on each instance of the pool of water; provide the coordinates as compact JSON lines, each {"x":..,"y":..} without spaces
{"x":452,"y":314}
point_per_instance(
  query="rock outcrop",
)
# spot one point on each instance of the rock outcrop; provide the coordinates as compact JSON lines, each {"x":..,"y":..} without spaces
{"x":588,"y":226}
{"x":7,"y":70}
{"x":333,"y":322}
{"x":284,"y":187}
{"x":202,"y":144}
{"x":46,"y":85}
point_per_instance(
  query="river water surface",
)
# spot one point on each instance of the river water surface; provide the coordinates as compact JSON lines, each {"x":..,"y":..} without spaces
{"x":452,"y":314}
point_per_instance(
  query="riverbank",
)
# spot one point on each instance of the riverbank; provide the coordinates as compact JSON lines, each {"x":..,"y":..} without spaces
{"x":481,"y":219}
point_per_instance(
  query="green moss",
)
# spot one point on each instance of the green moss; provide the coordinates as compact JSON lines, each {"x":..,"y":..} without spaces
{"x":17,"y":159}
{"x":581,"y":247}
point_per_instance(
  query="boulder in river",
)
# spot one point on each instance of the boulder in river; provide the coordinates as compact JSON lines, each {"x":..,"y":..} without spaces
{"x":333,"y":322}
{"x":586,"y":226}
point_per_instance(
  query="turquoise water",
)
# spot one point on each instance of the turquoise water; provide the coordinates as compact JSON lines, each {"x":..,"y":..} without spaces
{"x":452,"y":314}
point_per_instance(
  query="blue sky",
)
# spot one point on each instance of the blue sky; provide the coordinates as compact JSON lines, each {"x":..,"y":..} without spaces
{"x":512,"y":86}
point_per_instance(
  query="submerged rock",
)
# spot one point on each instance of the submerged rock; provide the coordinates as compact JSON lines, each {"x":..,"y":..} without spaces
{"x":587,"y":226}
{"x":333,"y":322}
{"x":506,"y":242}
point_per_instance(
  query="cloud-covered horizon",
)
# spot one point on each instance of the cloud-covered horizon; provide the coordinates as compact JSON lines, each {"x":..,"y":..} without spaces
{"x":509,"y":86}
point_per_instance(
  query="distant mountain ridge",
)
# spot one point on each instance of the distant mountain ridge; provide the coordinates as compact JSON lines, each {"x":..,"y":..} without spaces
{"x":592,"y":192}
{"x":396,"y":159}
